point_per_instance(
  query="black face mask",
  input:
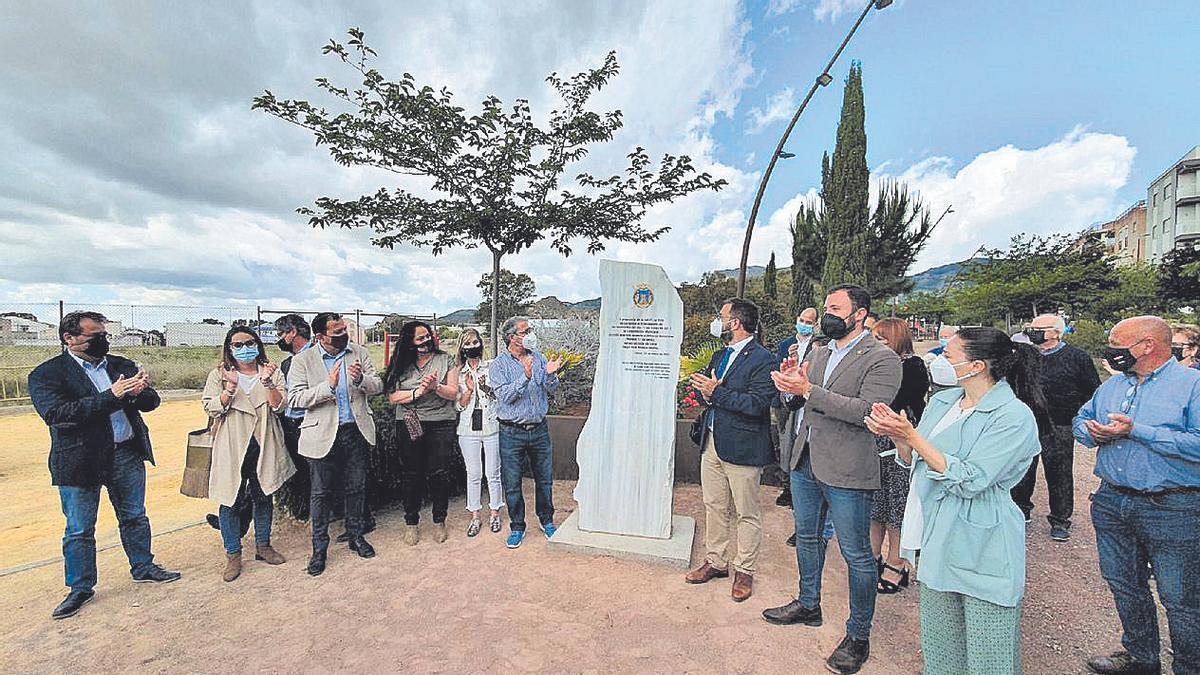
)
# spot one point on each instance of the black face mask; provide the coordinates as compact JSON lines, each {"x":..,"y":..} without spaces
{"x":97,"y":347}
{"x":473,"y":352}
{"x":283,"y":345}
{"x":835,"y":327}
{"x":1177,"y":352}
{"x":1036,"y":335}
{"x":339,"y":342}
{"x":1120,"y":359}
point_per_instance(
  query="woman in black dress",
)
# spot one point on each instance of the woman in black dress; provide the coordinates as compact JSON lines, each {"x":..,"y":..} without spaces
{"x":887,"y":509}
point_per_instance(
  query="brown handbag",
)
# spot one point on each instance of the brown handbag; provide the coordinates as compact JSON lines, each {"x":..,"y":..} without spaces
{"x":197,"y":464}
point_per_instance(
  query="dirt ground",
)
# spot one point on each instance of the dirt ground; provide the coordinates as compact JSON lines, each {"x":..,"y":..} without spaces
{"x":468,"y":604}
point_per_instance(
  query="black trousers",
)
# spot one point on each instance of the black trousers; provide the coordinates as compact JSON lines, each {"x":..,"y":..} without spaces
{"x":425,"y":463}
{"x":1058,"y":460}
{"x":345,"y":466}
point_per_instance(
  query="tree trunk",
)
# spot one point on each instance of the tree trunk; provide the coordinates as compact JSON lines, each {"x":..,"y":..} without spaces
{"x":494,"y":328}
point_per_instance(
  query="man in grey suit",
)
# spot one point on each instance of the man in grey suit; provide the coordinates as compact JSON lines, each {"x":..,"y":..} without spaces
{"x":332,"y":382}
{"x":835,"y":465}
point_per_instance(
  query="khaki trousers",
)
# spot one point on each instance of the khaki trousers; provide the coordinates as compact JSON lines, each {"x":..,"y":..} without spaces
{"x":730,"y":487}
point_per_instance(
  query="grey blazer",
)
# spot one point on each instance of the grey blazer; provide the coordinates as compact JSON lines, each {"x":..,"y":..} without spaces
{"x":843,"y":449}
{"x":308,"y":388}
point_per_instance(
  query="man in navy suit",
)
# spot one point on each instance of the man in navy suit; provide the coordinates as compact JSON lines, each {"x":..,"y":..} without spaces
{"x":92,"y":402}
{"x":736,"y":443}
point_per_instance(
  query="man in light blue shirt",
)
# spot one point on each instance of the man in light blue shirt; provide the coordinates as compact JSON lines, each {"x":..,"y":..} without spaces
{"x":1145,"y":425}
{"x":522,"y":380}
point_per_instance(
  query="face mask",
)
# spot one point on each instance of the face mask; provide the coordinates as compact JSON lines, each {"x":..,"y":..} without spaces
{"x":1036,"y":335}
{"x":284,"y":346}
{"x":717,"y":330}
{"x":245,"y":354}
{"x":942,"y":372}
{"x":97,"y":347}
{"x":803,"y":329}
{"x":529,"y":342}
{"x":1120,"y":359}
{"x":473,"y":352}
{"x":425,"y":347}
{"x":835,"y":327}
{"x":1177,"y":352}
{"x":943,"y":342}
{"x":339,"y":342}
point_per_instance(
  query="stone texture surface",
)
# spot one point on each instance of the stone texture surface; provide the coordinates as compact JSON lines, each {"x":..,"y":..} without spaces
{"x":675,"y":552}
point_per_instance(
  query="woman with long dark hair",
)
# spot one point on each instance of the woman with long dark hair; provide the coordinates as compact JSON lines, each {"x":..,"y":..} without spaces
{"x":422,"y":382}
{"x":973,"y":444}
{"x":887,"y":506}
{"x":244,"y":395}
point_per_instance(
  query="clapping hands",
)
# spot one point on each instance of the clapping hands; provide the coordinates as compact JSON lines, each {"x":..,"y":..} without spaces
{"x":132,"y":386}
{"x":883,"y":421}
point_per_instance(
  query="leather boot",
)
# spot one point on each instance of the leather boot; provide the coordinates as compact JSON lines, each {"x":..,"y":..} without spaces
{"x":233,"y":566}
{"x":268,"y":555}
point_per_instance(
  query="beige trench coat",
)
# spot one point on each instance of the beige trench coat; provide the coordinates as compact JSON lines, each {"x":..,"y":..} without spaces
{"x":248,"y":415}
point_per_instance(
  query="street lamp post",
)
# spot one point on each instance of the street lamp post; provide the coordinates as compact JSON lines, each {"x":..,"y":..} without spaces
{"x":822,"y":80}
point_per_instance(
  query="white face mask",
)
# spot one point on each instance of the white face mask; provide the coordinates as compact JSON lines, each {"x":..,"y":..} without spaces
{"x":942,"y":372}
{"x":715,"y":327}
{"x":529,"y":342}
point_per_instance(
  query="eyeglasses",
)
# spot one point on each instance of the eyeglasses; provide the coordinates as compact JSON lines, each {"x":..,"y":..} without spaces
{"x":1130,"y":395}
{"x":247,"y":343}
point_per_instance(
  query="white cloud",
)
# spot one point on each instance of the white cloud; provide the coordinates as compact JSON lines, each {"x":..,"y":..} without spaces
{"x":1059,"y":187}
{"x":157,"y":184}
{"x":832,"y":10}
{"x":779,"y":7}
{"x":780,"y":106}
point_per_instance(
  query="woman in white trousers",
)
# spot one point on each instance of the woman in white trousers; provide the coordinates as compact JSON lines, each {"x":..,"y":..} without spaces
{"x":478,"y":430}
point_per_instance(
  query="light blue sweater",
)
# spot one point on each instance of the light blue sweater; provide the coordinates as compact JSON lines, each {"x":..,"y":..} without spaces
{"x":973,"y":539}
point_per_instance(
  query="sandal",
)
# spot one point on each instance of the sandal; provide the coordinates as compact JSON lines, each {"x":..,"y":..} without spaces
{"x":473,"y":528}
{"x":494,"y":523}
{"x":889,"y":587}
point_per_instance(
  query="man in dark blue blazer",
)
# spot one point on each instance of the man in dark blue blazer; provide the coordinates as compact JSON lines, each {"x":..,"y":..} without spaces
{"x":93,"y":403}
{"x":736,"y":444}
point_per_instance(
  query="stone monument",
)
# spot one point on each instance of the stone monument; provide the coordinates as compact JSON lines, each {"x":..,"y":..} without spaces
{"x":626,"y":451}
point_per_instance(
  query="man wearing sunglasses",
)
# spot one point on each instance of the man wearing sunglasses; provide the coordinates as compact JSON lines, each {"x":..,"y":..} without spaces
{"x":1069,"y":379}
{"x":93,"y":403}
{"x":1145,"y":424}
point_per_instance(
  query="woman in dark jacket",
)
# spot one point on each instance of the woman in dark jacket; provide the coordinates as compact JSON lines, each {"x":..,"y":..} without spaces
{"x":887,"y":509}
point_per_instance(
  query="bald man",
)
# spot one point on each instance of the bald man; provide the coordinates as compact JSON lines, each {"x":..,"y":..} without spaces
{"x":1069,"y":379}
{"x":797,"y":346}
{"x":1145,"y":424}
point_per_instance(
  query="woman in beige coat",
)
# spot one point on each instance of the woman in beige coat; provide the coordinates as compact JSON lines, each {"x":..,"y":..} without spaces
{"x":243,"y":396}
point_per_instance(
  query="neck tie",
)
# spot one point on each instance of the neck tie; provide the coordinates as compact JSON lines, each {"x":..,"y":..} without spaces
{"x":724,"y":362}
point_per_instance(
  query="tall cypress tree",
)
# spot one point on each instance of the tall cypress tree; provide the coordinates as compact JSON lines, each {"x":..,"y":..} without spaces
{"x":846,"y":197}
{"x":770,"y":287}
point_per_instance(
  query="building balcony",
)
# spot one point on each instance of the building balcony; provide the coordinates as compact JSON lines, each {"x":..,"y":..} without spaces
{"x":1186,"y":200}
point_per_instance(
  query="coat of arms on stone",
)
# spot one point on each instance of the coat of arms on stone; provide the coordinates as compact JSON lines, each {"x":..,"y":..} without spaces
{"x":643,"y":296}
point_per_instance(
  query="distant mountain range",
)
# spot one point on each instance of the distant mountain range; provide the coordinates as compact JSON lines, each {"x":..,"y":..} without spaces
{"x":931,"y":280}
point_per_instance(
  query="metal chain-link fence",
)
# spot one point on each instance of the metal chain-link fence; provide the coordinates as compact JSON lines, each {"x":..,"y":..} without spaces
{"x":176,"y":344}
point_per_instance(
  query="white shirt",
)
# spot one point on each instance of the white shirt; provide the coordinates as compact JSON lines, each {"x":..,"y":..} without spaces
{"x":913,"y":526}
{"x":737,"y":349}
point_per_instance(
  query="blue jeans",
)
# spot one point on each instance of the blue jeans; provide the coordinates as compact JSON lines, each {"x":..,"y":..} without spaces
{"x":814,"y":501}
{"x":231,"y":519}
{"x":127,"y":492}
{"x":515,"y":445}
{"x":1140,"y":535}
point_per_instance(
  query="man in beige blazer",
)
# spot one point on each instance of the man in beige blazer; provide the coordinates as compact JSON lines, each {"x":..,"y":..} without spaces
{"x":331,"y":382}
{"x":835,"y":464}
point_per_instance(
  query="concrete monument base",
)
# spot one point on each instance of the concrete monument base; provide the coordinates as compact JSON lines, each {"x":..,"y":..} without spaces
{"x":675,"y":552}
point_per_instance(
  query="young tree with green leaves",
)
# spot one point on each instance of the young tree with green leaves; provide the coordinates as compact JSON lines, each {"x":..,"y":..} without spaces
{"x":495,"y":177}
{"x":516,"y":295}
{"x":1179,"y":278}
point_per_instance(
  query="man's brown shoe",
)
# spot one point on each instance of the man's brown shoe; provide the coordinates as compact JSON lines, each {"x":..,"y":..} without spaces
{"x":233,"y":566}
{"x":743,"y":586}
{"x":704,"y":574}
{"x":268,"y":555}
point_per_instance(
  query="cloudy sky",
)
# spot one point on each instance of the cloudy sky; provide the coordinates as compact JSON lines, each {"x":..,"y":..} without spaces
{"x":133,"y":170}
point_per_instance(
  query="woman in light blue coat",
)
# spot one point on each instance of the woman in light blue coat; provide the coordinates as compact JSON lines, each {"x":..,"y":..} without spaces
{"x":973,"y":444}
